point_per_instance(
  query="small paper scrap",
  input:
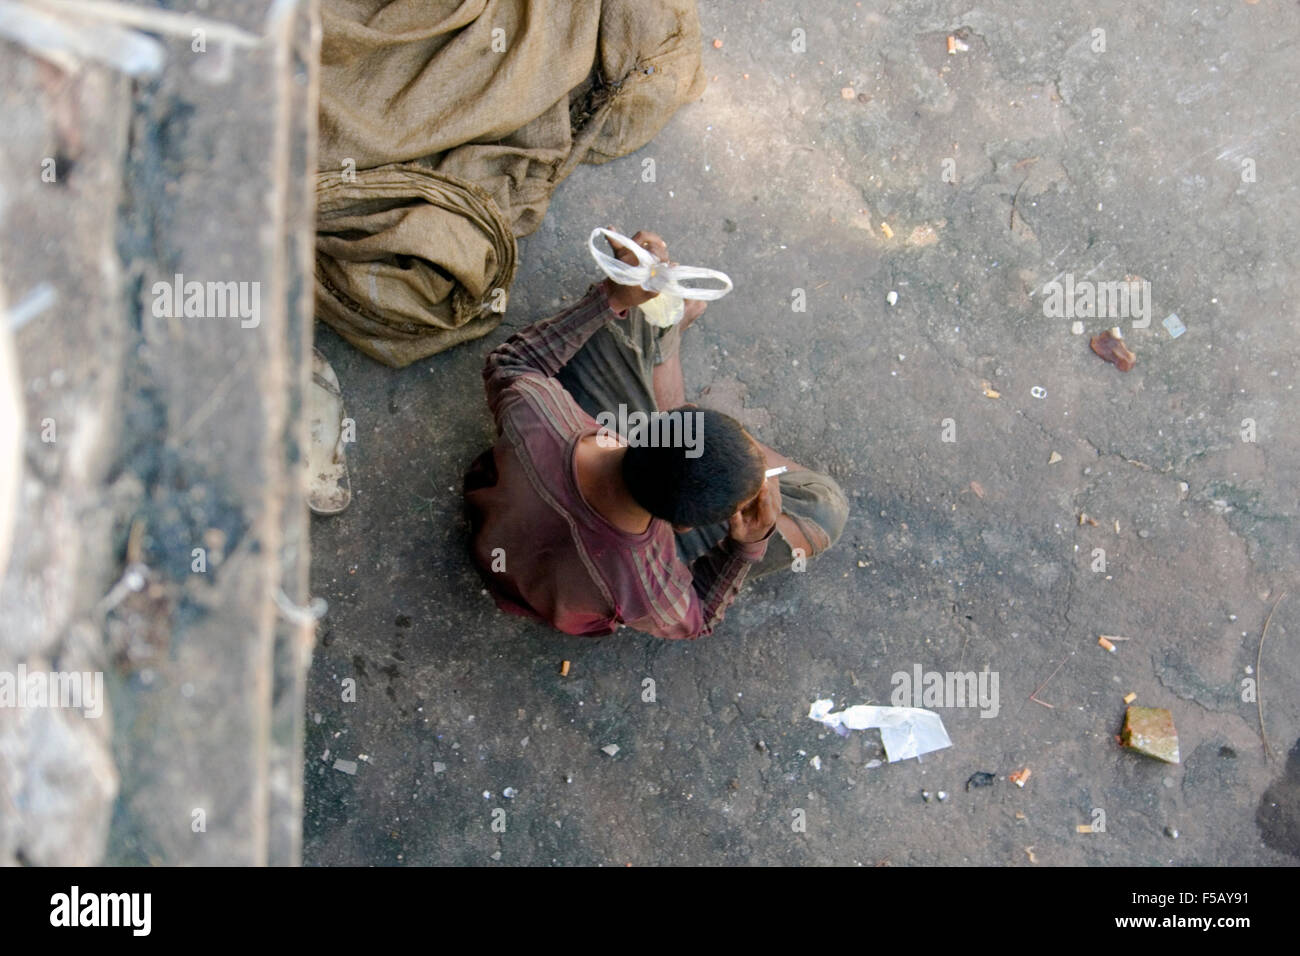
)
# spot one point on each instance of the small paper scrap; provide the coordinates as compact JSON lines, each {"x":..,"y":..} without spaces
{"x":905,"y":731}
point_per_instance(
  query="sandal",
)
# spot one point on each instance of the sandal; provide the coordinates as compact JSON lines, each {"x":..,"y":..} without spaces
{"x":329,"y":488}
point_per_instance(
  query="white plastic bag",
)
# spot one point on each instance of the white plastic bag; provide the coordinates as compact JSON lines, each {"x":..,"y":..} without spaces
{"x":653,"y":275}
{"x":905,"y":731}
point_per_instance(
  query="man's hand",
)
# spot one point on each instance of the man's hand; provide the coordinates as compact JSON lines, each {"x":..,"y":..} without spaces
{"x":624,"y":297}
{"x":757,"y":517}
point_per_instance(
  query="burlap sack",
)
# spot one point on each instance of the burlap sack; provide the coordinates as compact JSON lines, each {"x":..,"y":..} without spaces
{"x":446,"y":126}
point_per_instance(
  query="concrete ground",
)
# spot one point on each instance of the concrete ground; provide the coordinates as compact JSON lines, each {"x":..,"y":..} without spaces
{"x":1158,"y":150}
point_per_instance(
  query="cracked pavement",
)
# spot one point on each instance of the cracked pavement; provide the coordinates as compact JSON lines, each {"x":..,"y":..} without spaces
{"x":1128,"y":161}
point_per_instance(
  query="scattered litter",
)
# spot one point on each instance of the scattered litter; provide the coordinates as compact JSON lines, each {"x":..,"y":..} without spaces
{"x":862,"y":564}
{"x":1077,"y":328}
{"x":496,"y":855}
{"x":717,"y":44}
{"x":1259,"y":666}
{"x":1130,"y":697}
{"x":1083,"y":828}
{"x":942,"y":795}
{"x":439,"y":767}
{"x":1106,"y":644}
{"x":1110,"y":346}
{"x":990,"y":391}
{"x":1038,"y":391}
{"x":1171,"y":832}
{"x":981,"y":778}
{"x":1113,"y":637}
{"x":816,"y":763}
{"x":889,"y":233}
{"x":1054,"y":458}
{"x":1150,"y":731}
{"x":976,"y":487}
{"x":1117,"y":526}
{"x":610,"y":749}
{"x":905,"y":731}
{"x":564,"y":668}
{"x":1085,"y":518}
{"x":346,"y":766}
{"x":873,"y":764}
{"x":365,"y":757}
{"x":1174,"y":325}
{"x":1020,"y":816}
{"x":1019,"y":777}
{"x":1030,"y":851}
{"x":848,"y":93}
{"x":509,"y":793}
{"x":925,"y":795}
{"x":892,"y":298}
{"x":952,"y":46}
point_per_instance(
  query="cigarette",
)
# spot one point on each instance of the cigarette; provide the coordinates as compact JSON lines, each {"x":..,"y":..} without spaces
{"x":773,"y":472}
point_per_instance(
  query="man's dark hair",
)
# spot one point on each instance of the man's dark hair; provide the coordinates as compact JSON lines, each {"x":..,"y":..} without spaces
{"x":695,"y":491}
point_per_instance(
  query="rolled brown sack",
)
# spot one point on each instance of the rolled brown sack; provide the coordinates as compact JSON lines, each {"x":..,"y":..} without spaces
{"x":430,"y":107}
{"x":408,"y":260}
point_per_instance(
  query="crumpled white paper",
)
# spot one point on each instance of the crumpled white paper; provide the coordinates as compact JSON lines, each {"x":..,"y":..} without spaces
{"x":905,"y":731}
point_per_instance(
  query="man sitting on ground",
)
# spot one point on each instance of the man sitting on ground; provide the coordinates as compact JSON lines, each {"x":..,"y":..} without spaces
{"x":590,"y":534}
